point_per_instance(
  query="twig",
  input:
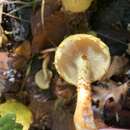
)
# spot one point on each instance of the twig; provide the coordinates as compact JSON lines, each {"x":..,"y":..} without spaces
{"x":1,"y":11}
{"x":13,"y":2}
{"x":8,"y":32}
{"x":19,"y":8}
{"x":48,"y":50}
{"x":15,"y":17}
{"x":42,"y":12}
{"x":26,"y":75}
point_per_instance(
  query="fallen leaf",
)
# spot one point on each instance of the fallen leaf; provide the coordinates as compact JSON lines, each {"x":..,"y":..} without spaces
{"x":23,"y":114}
{"x":62,"y":120}
{"x":117,"y":66}
{"x":52,"y":32}
{"x":19,"y":62}
{"x":50,"y":7}
{"x":22,"y":55}
{"x":99,"y":121}
{"x":103,"y":94}
{"x":40,"y":39}
{"x":24,"y":50}
{"x":8,"y":121}
{"x":63,"y":91}
{"x":42,"y":111}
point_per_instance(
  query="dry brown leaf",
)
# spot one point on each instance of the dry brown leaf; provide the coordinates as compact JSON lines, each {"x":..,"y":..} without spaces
{"x":53,"y":30}
{"x":62,"y":90}
{"x":44,"y":111}
{"x":50,"y":7}
{"x":117,"y":66}
{"x":41,"y":109}
{"x":99,"y":122}
{"x":62,"y":120}
{"x":23,"y":53}
{"x":103,"y":94}
{"x":56,"y":27}
{"x":19,"y":62}
{"x":24,"y":50}
{"x":40,"y":39}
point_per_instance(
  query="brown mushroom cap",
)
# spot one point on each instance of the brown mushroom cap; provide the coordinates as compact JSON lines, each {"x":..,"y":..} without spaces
{"x":68,"y":57}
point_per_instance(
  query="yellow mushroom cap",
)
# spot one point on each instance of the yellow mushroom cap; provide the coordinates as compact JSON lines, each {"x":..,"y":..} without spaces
{"x":76,"y":5}
{"x":68,"y":57}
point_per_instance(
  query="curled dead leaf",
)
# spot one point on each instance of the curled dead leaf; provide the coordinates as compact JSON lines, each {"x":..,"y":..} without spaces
{"x":23,"y":54}
{"x":62,"y":120}
{"x":52,"y":32}
{"x":99,"y":122}
{"x":118,"y":65}
{"x":40,"y":108}
{"x":114,"y":92}
{"x":24,"y":50}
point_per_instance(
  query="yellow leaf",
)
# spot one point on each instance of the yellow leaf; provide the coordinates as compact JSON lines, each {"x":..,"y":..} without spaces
{"x":23,"y":114}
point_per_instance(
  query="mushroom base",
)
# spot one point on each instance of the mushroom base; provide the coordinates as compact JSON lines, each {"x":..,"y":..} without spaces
{"x":83,"y":117}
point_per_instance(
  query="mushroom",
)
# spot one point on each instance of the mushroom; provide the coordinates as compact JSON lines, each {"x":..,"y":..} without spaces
{"x":81,"y":59}
{"x":43,"y":76}
{"x":76,"y":6}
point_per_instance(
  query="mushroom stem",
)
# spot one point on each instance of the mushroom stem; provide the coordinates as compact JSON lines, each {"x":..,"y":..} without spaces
{"x":45,"y":65}
{"x":83,"y":117}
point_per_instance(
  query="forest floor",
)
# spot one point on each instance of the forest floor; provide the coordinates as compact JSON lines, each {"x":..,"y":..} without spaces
{"x":30,"y":32}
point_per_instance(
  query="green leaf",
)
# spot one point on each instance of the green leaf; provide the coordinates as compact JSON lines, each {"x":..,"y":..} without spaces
{"x":23,"y":114}
{"x":8,"y":122}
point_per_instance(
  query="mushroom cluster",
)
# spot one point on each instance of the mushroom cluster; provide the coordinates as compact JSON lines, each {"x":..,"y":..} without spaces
{"x":82,"y":59}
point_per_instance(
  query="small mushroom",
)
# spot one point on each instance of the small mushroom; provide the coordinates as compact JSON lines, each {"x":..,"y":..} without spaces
{"x":81,"y":59}
{"x":76,"y":6}
{"x":43,"y":76}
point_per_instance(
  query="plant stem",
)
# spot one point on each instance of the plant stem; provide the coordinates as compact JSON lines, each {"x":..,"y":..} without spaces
{"x":1,"y":11}
{"x":15,"y":17}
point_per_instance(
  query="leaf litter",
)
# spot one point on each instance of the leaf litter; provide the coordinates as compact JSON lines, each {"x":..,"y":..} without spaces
{"x":52,"y":100}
